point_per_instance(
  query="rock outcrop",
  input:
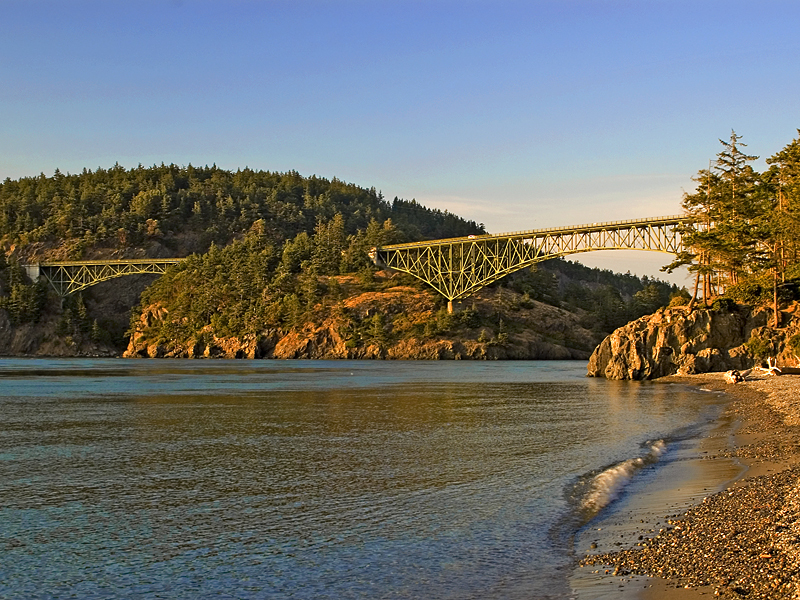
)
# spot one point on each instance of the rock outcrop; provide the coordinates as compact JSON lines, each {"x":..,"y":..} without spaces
{"x":674,"y":341}
{"x":537,"y":332}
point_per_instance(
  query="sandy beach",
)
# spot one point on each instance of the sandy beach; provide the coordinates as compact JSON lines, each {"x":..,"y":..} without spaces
{"x":744,"y":541}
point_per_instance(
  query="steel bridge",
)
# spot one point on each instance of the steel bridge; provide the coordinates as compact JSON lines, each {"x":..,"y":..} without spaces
{"x":458,"y":267}
{"x":67,"y":277}
{"x":455,"y":267}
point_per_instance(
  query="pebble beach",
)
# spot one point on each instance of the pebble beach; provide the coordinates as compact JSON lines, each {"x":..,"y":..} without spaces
{"x":744,"y":541}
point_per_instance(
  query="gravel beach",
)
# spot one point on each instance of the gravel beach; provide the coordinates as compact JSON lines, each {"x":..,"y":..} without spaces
{"x":743,"y":542}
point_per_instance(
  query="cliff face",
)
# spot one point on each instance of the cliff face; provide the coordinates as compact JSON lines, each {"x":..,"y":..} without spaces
{"x":40,"y":339}
{"x":537,"y":332}
{"x":671,"y":341}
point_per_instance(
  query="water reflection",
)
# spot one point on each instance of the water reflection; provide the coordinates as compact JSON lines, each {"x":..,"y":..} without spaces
{"x":311,"y":480}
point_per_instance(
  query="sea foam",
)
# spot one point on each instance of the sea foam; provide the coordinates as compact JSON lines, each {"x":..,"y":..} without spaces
{"x":607,"y":485}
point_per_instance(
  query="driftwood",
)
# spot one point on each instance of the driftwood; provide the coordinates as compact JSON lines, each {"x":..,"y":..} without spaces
{"x":733,"y":376}
{"x":772,"y":368}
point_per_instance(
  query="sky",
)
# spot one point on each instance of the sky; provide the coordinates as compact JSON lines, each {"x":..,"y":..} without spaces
{"x":518,"y":115}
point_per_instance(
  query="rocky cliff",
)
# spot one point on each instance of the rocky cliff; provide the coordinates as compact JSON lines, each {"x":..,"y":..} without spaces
{"x":532,"y":331}
{"x":673,"y":340}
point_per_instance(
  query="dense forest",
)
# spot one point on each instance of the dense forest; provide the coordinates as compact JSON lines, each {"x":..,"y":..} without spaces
{"x":744,"y":240}
{"x":186,"y":209}
{"x":265,"y":250}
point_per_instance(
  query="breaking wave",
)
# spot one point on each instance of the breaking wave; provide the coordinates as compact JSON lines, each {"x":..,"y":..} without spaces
{"x":606,"y":486}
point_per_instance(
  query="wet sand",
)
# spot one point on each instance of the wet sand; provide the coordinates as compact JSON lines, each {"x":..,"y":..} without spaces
{"x":740,"y":542}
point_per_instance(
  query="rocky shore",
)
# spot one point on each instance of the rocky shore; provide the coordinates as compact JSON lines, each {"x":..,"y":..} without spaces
{"x":743,"y":542}
{"x":675,"y":341}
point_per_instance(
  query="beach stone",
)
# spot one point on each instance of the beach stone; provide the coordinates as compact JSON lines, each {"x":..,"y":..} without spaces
{"x":743,"y":541}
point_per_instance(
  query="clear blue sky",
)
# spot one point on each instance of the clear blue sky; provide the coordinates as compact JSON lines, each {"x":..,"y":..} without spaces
{"x":516,"y":114}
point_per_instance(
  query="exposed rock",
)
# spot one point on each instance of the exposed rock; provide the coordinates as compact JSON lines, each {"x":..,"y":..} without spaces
{"x":673,"y":342}
{"x":539,"y":332}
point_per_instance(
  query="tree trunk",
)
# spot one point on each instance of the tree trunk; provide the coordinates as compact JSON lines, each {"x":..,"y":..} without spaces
{"x":694,"y":296}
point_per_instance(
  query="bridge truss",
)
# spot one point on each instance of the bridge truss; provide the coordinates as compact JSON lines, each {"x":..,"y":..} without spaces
{"x":71,"y":276}
{"x":458,"y":267}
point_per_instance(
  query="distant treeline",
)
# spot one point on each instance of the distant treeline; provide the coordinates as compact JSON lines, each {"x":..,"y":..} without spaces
{"x":606,"y":300}
{"x":188,"y":208}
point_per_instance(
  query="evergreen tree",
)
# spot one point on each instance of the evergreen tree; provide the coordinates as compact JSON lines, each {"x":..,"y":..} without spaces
{"x":723,"y":241}
{"x":739,"y":209}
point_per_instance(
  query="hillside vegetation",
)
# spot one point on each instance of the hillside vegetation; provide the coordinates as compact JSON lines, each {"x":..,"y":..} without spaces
{"x":278,"y":256}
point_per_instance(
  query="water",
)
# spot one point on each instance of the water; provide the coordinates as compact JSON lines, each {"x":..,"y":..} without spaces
{"x":316,"y":479}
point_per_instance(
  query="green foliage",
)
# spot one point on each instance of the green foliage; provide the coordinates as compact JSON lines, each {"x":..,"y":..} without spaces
{"x":723,"y":305}
{"x":794,"y":344}
{"x":377,"y":329}
{"x":753,"y":290}
{"x":610,"y":299}
{"x":75,"y":325}
{"x":24,"y":301}
{"x":188,"y":208}
{"x":225,"y":289}
{"x":746,"y":224}
{"x":758,"y":346}
{"x":469,"y":318}
{"x":679,"y":298}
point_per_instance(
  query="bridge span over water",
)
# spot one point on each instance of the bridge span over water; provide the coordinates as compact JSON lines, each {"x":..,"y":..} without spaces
{"x":455,"y":267}
{"x":458,"y":267}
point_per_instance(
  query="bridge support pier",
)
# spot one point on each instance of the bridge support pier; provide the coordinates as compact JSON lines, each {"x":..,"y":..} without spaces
{"x":450,"y":307}
{"x":32,"y":271}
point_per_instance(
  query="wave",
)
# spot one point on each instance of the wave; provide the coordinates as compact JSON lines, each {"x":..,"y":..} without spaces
{"x":606,"y":485}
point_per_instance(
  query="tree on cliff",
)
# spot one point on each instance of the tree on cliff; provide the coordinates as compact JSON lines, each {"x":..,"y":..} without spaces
{"x":782,"y":217}
{"x":743,"y":240}
{"x":783,"y":178}
{"x":726,"y":208}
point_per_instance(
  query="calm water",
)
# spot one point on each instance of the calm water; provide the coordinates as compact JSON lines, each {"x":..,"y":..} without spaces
{"x":312,"y":479}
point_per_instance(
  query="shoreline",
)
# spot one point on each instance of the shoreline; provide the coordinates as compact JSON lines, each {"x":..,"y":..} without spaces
{"x":742,"y":541}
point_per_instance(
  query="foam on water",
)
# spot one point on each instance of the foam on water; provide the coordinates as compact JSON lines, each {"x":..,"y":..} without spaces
{"x":607,"y":485}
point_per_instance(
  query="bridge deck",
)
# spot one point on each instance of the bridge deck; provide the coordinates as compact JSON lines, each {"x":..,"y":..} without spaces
{"x":455,"y":267}
{"x":95,"y":263}
{"x":68,"y":276}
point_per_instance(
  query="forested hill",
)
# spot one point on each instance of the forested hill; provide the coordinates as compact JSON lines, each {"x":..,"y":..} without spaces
{"x":281,"y":260}
{"x":176,"y":211}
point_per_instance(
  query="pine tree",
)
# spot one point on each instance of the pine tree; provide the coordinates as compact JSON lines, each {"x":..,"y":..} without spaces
{"x":739,"y":208}
{"x":782,"y":221}
{"x":724,"y":240}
